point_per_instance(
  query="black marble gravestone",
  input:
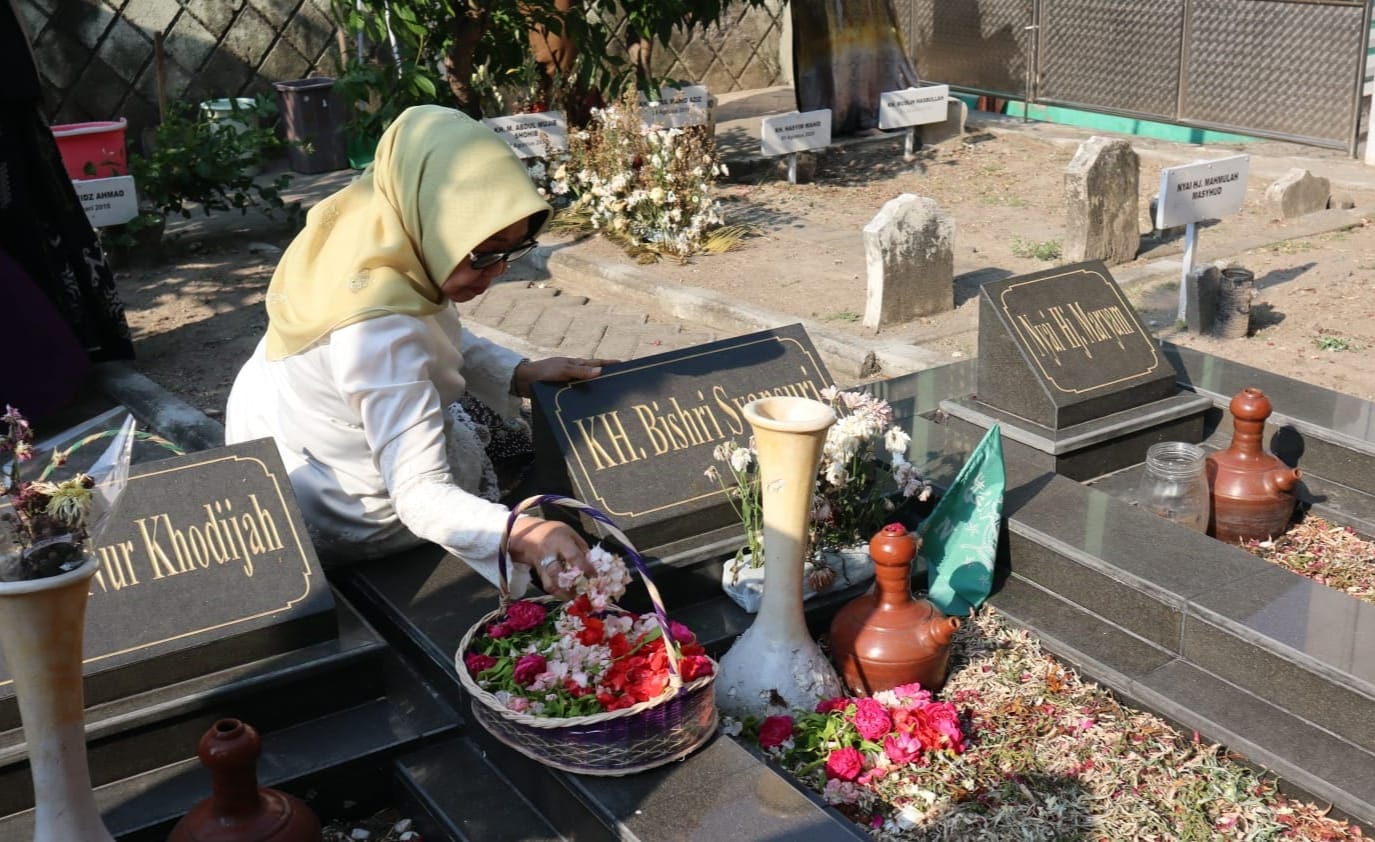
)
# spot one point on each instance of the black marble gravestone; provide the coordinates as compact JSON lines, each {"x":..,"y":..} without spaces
{"x":1064,"y":346}
{"x":206,"y":564}
{"x":1076,"y":381}
{"x":636,"y":441}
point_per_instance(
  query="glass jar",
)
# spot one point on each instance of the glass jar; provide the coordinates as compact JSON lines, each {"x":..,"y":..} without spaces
{"x":1175,"y":484}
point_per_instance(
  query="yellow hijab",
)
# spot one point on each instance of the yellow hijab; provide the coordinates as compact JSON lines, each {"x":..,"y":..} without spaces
{"x":440,"y":184}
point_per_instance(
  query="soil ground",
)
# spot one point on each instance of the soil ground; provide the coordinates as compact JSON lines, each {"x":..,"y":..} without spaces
{"x":197,"y":315}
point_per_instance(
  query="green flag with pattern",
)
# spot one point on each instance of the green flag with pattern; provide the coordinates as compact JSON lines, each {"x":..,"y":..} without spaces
{"x":960,"y":538}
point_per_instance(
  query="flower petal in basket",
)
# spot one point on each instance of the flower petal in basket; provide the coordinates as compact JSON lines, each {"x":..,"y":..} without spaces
{"x":650,"y":733}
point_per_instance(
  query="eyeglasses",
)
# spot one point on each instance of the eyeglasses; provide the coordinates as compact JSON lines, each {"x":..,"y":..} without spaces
{"x":484,"y":259}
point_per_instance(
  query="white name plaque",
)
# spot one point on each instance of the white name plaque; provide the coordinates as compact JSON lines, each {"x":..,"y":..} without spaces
{"x":1202,"y":190}
{"x":677,"y":107}
{"x":913,"y":107}
{"x":107,"y":201}
{"x":795,"y":132}
{"x":532,"y":135}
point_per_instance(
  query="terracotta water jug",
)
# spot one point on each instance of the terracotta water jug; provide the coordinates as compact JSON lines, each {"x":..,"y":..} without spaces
{"x":1252,"y":491}
{"x":239,"y":810}
{"x":885,"y":637}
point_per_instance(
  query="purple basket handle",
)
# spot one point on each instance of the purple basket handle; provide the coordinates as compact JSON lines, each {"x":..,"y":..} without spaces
{"x":675,"y":679}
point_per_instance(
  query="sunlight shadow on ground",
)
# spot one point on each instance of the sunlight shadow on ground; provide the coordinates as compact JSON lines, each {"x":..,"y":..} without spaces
{"x":1275,"y":277}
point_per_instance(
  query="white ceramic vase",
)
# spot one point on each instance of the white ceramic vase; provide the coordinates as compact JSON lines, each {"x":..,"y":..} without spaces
{"x":775,"y":663}
{"x":42,"y":624}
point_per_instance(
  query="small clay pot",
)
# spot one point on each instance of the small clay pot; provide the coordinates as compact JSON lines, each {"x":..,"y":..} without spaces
{"x":239,"y":810}
{"x":886,"y":638}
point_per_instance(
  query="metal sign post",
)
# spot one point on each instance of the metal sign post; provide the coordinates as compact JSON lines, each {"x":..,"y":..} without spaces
{"x":1193,"y":192}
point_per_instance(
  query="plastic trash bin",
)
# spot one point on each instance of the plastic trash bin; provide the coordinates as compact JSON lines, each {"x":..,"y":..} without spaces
{"x":100,"y":144}
{"x":313,"y":118}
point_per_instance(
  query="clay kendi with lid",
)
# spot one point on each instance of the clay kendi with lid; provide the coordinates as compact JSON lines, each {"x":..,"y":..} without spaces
{"x":1252,"y":490}
{"x":239,"y":810}
{"x":885,"y":637}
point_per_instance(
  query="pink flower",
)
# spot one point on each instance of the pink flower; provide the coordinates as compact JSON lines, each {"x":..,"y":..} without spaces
{"x":528,"y":668}
{"x":831,"y":705}
{"x":910,"y":693}
{"x":497,"y":631}
{"x":902,"y":748}
{"x":844,"y":764}
{"x":871,"y":719}
{"x":775,"y":730}
{"x":519,"y":704}
{"x":874,"y":774}
{"x":681,"y":633}
{"x":945,"y":721}
{"x":694,"y":666}
{"x":476,"y":662}
{"x":524,"y":615}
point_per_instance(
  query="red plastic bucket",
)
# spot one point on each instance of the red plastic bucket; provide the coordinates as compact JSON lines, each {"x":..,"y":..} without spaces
{"x":100,"y":144}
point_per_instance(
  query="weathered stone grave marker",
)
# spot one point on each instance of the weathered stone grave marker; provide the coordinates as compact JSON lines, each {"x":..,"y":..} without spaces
{"x":788,"y":134}
{"x":1101,"y":186}
{"x":1298,"y":192}
{"x":1067,"y":368}
{"x":1194,"y":192}
{"x":206,"y":564}
{"x":910,"y":108}
{"x":636,"y":441}
{"x":909,"y":252}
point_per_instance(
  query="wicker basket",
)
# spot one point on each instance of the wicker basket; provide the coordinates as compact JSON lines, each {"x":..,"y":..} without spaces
{"x":621,"y":742}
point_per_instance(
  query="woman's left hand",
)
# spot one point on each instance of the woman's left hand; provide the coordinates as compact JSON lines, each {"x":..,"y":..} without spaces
{"x":555,"y":370}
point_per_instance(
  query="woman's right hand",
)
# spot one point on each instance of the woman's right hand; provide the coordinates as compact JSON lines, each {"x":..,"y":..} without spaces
{"x":548,"y":547}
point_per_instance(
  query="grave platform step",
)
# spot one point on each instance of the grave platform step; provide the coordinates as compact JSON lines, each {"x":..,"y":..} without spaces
{"x":130,"y":735}
{"x":136,"y":742}
{"x":424,"y":603}
{"x":346,"y":750}
{"x":1310,"y":761}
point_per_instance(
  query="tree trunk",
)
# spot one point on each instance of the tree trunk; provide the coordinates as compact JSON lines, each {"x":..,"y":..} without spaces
{"x":468,"y":30}
{"x":641,"y":51}
{"x":554,"y":51}
{"x":846,"y":53}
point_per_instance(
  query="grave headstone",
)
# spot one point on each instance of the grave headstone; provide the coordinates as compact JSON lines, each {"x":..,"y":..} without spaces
{"x":107,"y":201}
{"x":536,"y":135}
{"x":909,"y":254}
{"x":1296,"y":193}
{"x":1101,"y":186}
{"x":689,"y":105}
{"x":1071,"y":376}
{"x":1191,"y":193}
{"x":794,"y":133}
{"x":206,"y":564}
{"x":913,"y":108}
{"x":1064,"y":346}
{"x":636,"y":441}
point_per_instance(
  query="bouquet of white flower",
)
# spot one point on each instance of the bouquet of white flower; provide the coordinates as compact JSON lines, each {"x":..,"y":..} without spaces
{"x":863,"y":471}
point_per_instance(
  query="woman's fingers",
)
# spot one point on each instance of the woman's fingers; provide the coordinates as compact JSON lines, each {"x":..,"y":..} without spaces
{"x":549,"y":548}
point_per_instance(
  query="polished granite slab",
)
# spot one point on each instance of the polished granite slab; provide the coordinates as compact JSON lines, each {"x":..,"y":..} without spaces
{"x":1093,"y":447}
{"x":1277,"y":665}
{"x":430,"y":600}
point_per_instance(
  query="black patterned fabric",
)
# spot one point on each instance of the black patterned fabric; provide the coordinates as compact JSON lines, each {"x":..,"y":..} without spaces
{"x":45,"y":231}
{"x":510,"y":447}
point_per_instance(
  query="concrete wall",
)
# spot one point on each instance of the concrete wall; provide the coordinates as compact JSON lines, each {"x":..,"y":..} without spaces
{"x":96,"y":56}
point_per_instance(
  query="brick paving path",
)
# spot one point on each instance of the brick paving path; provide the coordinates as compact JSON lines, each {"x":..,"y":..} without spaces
{"x":562,"y":324}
